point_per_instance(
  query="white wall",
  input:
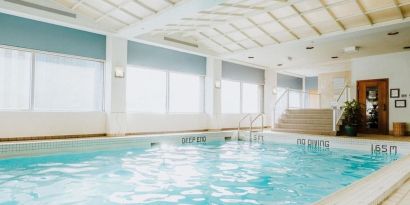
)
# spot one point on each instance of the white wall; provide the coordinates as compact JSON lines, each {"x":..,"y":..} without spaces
{"x":30,"y":124}
{"x":115,"y":120}
{"x":395,"y":67}
{"x":140,"y":123}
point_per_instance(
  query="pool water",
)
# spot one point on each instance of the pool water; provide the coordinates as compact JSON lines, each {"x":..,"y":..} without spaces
{"x":215,"y":173}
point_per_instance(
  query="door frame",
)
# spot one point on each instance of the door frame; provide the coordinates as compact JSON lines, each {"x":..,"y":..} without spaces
{"x":387,"y":103}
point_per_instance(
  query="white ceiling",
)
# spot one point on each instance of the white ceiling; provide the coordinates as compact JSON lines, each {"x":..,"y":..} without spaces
{"x":372,"y":41}
{"x":269,"y":30}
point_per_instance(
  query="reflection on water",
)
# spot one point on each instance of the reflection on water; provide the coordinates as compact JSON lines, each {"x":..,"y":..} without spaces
{"x":228,"y":173}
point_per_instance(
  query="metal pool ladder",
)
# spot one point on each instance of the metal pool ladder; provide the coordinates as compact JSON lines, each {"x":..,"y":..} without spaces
{"x":260,"y":115}
{"x":251,"y":121}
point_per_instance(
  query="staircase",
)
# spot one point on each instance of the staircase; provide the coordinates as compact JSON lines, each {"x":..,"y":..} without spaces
{"x":297,"y":111}
{"x":306,"y":121}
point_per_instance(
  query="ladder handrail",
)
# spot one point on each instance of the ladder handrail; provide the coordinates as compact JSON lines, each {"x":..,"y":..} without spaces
{"x":251,"y":126}
{"x":243,"y":118}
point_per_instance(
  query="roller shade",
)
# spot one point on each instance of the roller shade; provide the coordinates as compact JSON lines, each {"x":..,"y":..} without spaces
{"x":26,"y":33}
{"x":288,"y":81}
{"x":242,"y":73}
{"x":166,"y":59}
{"x":311,"y":83}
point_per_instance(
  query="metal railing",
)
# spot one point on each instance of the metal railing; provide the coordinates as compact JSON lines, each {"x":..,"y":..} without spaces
{"x":338,"y":106}
{"x":296,"y":99}
{"x":240,"y":121}
{"x":251,"y":126}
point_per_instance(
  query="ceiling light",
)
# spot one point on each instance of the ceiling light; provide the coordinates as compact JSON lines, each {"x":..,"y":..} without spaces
{"x":351,"y":49}
{"x":335,"y":57}
{"x":309,"y":47}
{"x":406,"y":47}
{"x":393,"y":33}
{"x":251,"y":57}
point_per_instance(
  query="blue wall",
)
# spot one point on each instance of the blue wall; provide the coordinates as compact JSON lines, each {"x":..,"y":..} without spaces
{"x":161,"y":58}
{"x":288,"y":81}
{"x":26,"y":33}
{"x":311,"y":83}
{"x":242,"y":73}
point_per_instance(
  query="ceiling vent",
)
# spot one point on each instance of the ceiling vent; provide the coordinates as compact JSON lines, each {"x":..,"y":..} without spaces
{"x":43,"y":8}
{"x":351,"y":49}
{"x":181,"y":42}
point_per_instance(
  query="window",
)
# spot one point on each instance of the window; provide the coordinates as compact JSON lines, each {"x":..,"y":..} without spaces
{"x":250,"y":98}
{"x":67,"y":84}
{"x":239,"y":97}
{"x":43,"y":82}
{"x":158,"y":91}
{"x":146,"y":90}
{"x":230,"y":97}
{"x":15,"y":79}
{"x":185,"y":93}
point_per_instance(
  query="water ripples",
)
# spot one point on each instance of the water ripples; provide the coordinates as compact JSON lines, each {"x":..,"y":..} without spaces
{"x":228,"y":173}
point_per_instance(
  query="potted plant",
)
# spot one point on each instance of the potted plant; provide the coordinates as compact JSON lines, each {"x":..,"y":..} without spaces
{"x":353,"y":115}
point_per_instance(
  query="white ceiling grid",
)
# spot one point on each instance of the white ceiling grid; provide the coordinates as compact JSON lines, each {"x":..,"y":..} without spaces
{"x":237,"y":25}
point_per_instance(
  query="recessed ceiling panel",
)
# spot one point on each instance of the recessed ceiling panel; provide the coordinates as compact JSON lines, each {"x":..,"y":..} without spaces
{"x":308,"y":5}
{"x":385,"y":15}
{"x":356,"y":21}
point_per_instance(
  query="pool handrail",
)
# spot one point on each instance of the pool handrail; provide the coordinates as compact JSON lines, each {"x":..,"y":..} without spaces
{"x":260,"y":115}
{"x":240,"y":121}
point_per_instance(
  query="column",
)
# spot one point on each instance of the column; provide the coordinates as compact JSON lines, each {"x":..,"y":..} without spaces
{"x":270,"y":94}
{"x":115,"y":86}
{"x":213,"y":92}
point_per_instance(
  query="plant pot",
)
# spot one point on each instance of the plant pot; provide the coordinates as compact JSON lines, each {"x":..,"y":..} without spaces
{"x":351,"y":130}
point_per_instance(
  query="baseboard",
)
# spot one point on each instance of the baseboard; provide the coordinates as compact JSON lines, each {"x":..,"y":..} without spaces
{"x":406,"y":134}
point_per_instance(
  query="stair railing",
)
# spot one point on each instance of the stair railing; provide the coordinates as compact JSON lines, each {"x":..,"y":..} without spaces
{"x":280,"y":107}
{"x":338,"y":106}
{"x":251,"y":126}
{"x":292,"y":98}
{"x":240,"y":121}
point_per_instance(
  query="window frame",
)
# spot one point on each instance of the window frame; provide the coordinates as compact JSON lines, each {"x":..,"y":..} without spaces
{"x":167,"y":95}
{"x":260,"y":98}
{"x":35,"y":52}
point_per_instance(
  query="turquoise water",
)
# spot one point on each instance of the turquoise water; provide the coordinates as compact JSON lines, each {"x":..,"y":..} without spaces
{"x":217,"y":173}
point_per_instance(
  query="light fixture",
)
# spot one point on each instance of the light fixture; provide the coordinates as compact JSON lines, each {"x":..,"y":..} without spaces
{"x":335,"y":57}
{"x":119,"y":72}
{"x":218,"y":84}
{"x":393,"y":33}
{"x":351,"y":49}
{"x":251,"y":57}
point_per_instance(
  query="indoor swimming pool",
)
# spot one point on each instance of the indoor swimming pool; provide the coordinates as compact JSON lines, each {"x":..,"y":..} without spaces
{"x":213,"y":172}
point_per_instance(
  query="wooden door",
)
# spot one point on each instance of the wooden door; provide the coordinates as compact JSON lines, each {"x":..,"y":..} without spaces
{"x":373,"y":97}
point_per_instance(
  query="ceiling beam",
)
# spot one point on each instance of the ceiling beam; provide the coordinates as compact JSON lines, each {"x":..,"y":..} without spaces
{"x":263,"y":30}
{"x":245,"y":34}
{"x":399,"y":9}
{"x":215,"y":42}
{"x":172,"y":14}
{"x":283,"y":25}
{"x":145,"y":6}
{"x":228,"y":37}
{"x":359,"y":4}
{"x":305,"y":20}
{"x":331,"y":14}
{"x":116,"y":8}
